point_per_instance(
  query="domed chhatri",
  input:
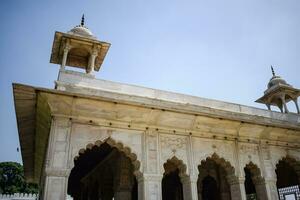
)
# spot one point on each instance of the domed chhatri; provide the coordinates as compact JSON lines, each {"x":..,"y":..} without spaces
{"x":78,"y":48}
{"x":276,"y":80}
{"x":279,"y":93}
{"x":81,"y":30}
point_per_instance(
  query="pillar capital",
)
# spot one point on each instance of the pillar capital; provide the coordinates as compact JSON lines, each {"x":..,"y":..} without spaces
{"x":67,"y":45}
{"x":95,"y":50}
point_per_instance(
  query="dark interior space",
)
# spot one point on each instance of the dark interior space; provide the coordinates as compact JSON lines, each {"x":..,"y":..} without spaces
{"x":172,"y":186}
{"x":249,"y":185}
{"x":210,"y":189}
{"x":103,"y":167}
{"x":286,"y":175}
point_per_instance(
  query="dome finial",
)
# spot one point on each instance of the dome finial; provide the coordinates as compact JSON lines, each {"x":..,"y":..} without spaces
{"x":82,"y":20}
{"x":272,"y":70}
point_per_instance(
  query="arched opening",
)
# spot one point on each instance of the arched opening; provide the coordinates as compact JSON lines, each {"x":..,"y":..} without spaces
{"x":255,"y":187}
{"x":212,"y":181}
{"x":171,"y":183}
{"x":210,"y":188}
{"x":287,"y":176}
{"x":103,"y":172}
{"x":249,"y":185}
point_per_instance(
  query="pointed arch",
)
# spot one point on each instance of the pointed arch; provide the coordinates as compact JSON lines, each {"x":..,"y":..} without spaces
{"x":226,"y":165}
{"x":287,"y":171}
{"x":215,"y":175}
{"x":179,"y":164}
{"x":255,"y":172}
{"x":290,"y":160}
{"x":254,"y":182}
{"x":172,"y":182}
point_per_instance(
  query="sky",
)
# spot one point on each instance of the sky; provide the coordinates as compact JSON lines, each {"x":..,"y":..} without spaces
{"x":214,"y":49}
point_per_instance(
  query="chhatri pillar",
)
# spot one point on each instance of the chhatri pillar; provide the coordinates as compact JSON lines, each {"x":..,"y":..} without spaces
{"x":279,"y":93}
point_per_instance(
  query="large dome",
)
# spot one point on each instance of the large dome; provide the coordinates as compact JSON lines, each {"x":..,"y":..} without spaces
{"x":276,"y":80}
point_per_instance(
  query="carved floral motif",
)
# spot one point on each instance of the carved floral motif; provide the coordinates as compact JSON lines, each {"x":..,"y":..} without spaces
{"x":249,"y":149}
{"x":174,"y":143}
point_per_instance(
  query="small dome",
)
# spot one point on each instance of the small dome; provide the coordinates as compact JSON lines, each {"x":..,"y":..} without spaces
{"x":276,"y":80}
{"x":81,"y":30}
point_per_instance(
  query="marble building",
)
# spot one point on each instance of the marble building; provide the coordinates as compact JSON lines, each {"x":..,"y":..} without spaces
{"x":96,"y":139}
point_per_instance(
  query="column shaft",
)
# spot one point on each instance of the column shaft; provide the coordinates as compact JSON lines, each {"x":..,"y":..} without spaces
{"x":271,"y":190}
{"x":297,"y":106}
{"x":237,"y":190}
{"x":261,"y":191}
{"x":55,"y":188}
{"x":91,"y":68}
{"x":151,"y":187}
{"x":189,"y":186}
{"x":65,"y":56}
{"x":284,"y":104}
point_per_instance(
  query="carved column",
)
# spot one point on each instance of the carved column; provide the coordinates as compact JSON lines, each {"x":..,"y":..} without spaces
{"x":141,"y":189}
{"x":236,"y":181}
{"x":92,"y":60}
{"x":189,"y":186}
{"x":271,"y":189}
{"x":297,"y":106}
{"x":65,"y":55}
{"x":149,"y":184}
{"x":284,"y":103}
{"x":260,"y":188}
{"x":268,"y":172}
{"x":151,"y":187}
{"x":56,"y":184}
{"x":56,"y":169}
{"x":193,"y":171}
{"x":237,"y":189}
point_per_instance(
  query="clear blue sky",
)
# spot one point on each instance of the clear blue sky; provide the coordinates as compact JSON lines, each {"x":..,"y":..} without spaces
{"x":214,"y":49}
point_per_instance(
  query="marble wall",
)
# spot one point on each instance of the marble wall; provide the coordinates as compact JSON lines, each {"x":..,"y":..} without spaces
{"x":150,"y":149}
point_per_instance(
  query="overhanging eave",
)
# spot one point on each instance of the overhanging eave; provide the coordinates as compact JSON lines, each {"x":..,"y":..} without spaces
{"x":33,"y":121}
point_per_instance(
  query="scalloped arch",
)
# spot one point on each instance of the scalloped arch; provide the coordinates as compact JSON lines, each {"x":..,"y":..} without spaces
{"x":118,"y":145}
{"x":295,"y":164}
{"x":289,"y":159}
{"x":220,"y":161}
{"x":255,"y":171}
{"x":178,"y":163}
